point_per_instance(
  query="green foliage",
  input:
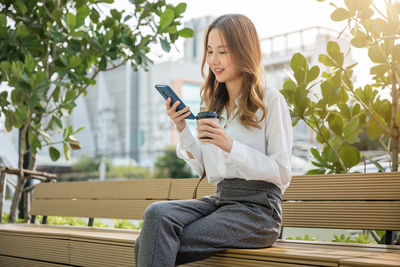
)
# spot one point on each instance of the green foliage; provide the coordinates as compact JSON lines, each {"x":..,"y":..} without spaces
{"x":125,"y":224}
{"x":72,"y":221}
{"x":360,"y":238}
{"x":335,"y":122}
{"x":305,"y":238}
{"x":338,"y":112}
{"x":59,"y":220}
{"x":129,"y":172}
{"x":52,"y":51}
{"x":168,"y":165}
{"x":87,"y":164}
{"x":5,"y":217}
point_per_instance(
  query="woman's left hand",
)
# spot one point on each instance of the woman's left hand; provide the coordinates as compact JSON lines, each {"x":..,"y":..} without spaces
{"x":217,"y":134}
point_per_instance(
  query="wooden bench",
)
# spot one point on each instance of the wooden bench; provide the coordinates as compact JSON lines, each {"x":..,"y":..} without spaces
{"x":349,"y":201}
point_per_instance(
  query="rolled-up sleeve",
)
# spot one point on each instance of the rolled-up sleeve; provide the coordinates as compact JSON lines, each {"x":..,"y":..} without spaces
{"x":186,"y":142}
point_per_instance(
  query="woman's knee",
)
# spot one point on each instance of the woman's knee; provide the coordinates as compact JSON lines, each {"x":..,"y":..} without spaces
{"x":156,"y":210}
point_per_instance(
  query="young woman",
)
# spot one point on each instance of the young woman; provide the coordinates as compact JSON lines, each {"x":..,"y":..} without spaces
{"x":247,"y":155}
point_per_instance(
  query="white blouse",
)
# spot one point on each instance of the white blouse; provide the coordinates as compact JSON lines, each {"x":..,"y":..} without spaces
{"x":257,"y":154}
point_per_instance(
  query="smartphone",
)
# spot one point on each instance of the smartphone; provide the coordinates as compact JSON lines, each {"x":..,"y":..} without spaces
{"x":166,"y":92}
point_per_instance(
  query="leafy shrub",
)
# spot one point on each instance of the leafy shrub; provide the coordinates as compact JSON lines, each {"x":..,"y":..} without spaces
{"x":305,"y":238}
{"x":125,"y":224}
{"x":360,"y":238}
{"x":129,"y":171}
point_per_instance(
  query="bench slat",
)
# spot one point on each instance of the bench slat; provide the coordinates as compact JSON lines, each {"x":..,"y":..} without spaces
{"x":11,"y":261}
{"x":343,"y":215}
{"x":122,"y":209}
{"x":221,"y":261}
{"x":98,"y":254}
{"x":128,"y":189}
{"x":183,"y":188}
{"x":38,"y":248}
{"x":370,"y":186}
{"x":370,"y":262}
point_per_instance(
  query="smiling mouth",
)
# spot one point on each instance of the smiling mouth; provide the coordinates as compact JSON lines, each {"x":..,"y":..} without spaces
{"x":218,"y":71}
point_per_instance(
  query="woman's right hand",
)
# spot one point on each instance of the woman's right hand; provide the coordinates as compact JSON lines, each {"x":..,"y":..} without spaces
{"x":178,"y":117}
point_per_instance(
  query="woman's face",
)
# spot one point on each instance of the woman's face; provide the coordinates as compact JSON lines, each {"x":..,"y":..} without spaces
{"x":219,"y":59}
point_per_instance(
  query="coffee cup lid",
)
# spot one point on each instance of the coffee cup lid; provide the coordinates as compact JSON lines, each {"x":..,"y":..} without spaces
{"x":206,"y":115}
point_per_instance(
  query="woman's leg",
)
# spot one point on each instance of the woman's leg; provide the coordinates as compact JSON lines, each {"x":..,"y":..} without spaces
{"x":164,"y":221}
{"x":234,"y":225}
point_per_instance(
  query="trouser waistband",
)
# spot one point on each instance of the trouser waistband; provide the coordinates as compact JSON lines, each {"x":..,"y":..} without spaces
{"x":256,"y":185}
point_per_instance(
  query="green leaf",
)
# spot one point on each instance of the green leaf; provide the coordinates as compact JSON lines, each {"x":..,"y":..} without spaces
{"x":56,"y":94}
{"x":299,"y":75}
{"x":335,"y":122}
{"x":29,"y":63}
{"x":22,"y":31}
{"x":20,"y":5}
{"x":360,"y":41}
{"x":165,"y":45}
{"x":54,"y":153}
{"x":9,"y":120}
{"x":71,"y":21}
{"x":289,"y":85}
{"x":351,"y":126}
{"x":180,"y":8}
{"x":5,"y":66}
{"x":334,"y":52}
{"x":115,"y":14}
{"x":379,"y":69}
{"x":56,"y":123}
{"x":166,"y":18}
{"x":103,"y":63}
{"x":301,"y":100}
{"x":312,"y":74}
{"x":298,"y":61}
{"x":186,"y":33}
{"x":349,"y":155}
{"x":32,"y":101}
{"x":3,"y":25}
{"x":344,"y":110}
{"x":327,"y":61}
{"x":24,"y":86}
{"x":315,"y":171}
{"x":70,"y":95}
{"x":81,"y":15}
{"x":316,"y":155}
{"x":382,"y":26}
{"x":375,"y":54}
{"x":340,"y":14}
{"x":374,"y":130}
{"x":94,"y":16}
{"x":74,"y":61}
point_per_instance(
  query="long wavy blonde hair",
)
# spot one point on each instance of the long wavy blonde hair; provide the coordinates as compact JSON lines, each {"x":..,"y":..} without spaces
{"x":242,"y":41}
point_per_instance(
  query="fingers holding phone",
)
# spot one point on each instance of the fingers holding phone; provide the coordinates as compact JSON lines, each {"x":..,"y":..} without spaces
{"x":178,"y":117}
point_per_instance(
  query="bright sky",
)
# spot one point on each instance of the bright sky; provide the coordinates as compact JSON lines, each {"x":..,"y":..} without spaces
{"x":270,"y":17}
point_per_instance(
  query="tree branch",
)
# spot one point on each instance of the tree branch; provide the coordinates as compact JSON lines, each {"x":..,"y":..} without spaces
{"x":351,"y":89}
{"x":327,"y":143}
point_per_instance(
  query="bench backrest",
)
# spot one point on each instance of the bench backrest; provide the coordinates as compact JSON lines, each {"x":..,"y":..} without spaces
{"x":341,"y":201}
